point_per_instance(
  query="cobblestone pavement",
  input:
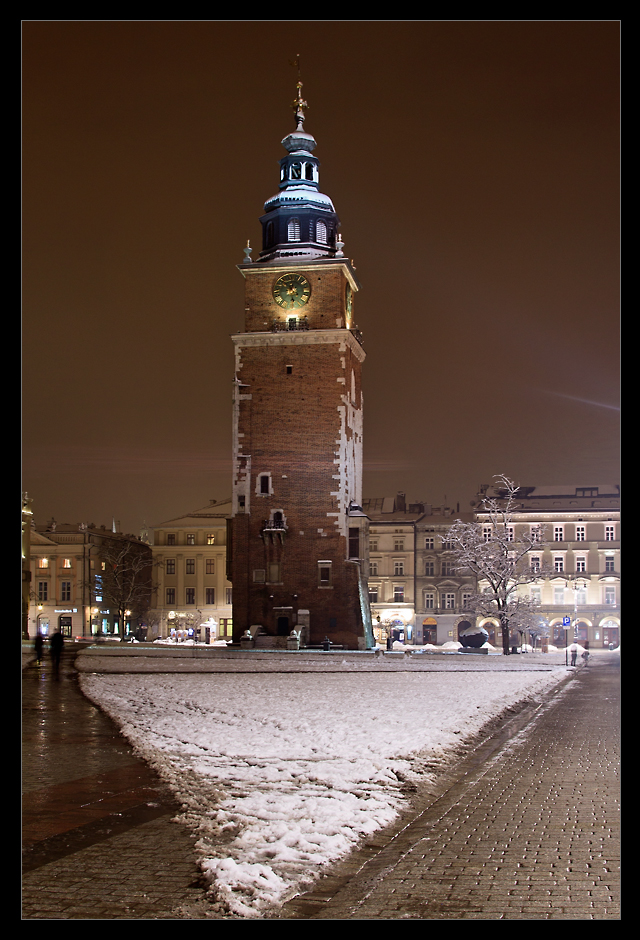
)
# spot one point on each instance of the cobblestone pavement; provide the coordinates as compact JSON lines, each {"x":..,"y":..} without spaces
{"x":524,"y":827}
{"x":530,"y":833}
{"x":98,"y":837}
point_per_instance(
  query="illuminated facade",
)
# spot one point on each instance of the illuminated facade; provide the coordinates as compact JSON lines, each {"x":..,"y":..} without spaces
{"x":581,"y":562}
{"x":65,"y":592}
{"x":192,"y":596}
{"x":299,"y":539}
{"x":415,"y":595}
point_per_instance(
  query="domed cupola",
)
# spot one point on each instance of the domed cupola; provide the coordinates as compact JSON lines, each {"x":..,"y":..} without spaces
{"x":300,"y":222}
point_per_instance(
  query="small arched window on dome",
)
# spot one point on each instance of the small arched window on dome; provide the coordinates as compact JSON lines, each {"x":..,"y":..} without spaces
{"x":269,"y":237}
{"x":308,"y":171}
{"x":321,"y":232}
{"x":293,"y":230}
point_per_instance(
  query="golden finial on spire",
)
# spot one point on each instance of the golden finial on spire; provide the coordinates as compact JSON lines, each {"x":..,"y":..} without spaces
{"x":299,"y":104}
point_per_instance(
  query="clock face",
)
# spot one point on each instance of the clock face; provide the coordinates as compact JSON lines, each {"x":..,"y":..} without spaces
{"x":291,"y":291}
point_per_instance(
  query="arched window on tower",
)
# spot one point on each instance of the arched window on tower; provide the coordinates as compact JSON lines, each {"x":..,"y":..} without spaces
{"x":321,"y":232}
{"x":308,"y":171}
{"x":293,"y":230}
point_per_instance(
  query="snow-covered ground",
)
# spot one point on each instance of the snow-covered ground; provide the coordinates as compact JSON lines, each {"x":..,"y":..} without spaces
{"x":282,"y":774}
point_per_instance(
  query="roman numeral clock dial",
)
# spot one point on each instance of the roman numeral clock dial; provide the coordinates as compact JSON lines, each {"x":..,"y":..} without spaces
{"x":291,"y":291}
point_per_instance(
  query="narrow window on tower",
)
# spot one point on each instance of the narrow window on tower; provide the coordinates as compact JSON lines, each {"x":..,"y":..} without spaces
{"x":324,"y":574}
{"x":321,"y":233}
{"x":308,"y":171}
{"x":263,"y":484}
{"x":289,"y":370}
{"x":354,"y":543}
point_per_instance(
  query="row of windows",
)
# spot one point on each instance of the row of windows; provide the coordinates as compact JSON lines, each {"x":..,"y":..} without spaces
{"x":578,"y":596}
{"x":190,"y":596}
{"x":42,"y":591}
{"x":190,"y":538}
{"x":190,"y":566}
{"x":580,"y":563}
{"x":65,"y":562}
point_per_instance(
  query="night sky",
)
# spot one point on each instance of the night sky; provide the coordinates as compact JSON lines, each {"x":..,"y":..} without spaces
{"x":475,"y":170}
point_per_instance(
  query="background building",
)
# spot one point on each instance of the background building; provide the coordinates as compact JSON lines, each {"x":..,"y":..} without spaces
{"x":579,"y":585}
{"x":192,"y":593}
{"x":69,"y":591}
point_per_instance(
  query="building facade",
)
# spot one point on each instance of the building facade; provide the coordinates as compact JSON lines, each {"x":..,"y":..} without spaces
{"x":192,"y":597}
{"x":67,"y":585}
{"x":299,"y":537}
{"x":578,"y":593}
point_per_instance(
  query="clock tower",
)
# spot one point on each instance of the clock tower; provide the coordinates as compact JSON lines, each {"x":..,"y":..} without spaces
{"x":299,"y":539}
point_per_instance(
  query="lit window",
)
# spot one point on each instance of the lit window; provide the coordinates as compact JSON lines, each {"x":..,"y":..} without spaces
{"x":191,"y":539}
{"x":43,"y":563}
{"x":66,"y":563}
{"x":211,"y":539}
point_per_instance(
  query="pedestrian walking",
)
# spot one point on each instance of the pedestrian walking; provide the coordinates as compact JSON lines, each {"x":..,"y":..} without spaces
{"x":38,"y":644}
{"x":56,"y":644}
{"x":574,"y":654}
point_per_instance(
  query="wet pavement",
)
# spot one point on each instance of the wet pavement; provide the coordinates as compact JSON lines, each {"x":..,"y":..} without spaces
{"x":525,"y":826}
{"x":98,"y":837}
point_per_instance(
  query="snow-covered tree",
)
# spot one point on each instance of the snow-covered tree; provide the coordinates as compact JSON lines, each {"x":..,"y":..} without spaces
{"x":125,"y":579}
{"x":496,"y":550}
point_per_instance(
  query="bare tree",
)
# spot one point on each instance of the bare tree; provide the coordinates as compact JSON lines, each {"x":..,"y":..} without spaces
{"x":126,"y":578}
{"x":496,"y":551}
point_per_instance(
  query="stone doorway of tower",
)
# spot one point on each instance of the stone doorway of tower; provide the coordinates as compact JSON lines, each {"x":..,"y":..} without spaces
{"x":283,"y":618}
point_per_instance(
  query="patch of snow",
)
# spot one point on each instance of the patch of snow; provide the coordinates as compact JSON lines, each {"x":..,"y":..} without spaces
{"x":280,"y":774}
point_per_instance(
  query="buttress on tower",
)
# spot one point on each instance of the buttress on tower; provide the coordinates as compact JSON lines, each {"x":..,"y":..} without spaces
{"x":298,"y":537}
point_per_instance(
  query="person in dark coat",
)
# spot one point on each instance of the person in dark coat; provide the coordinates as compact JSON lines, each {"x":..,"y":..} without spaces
{"x":56,"y":643}
{"x":38,"y":644}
